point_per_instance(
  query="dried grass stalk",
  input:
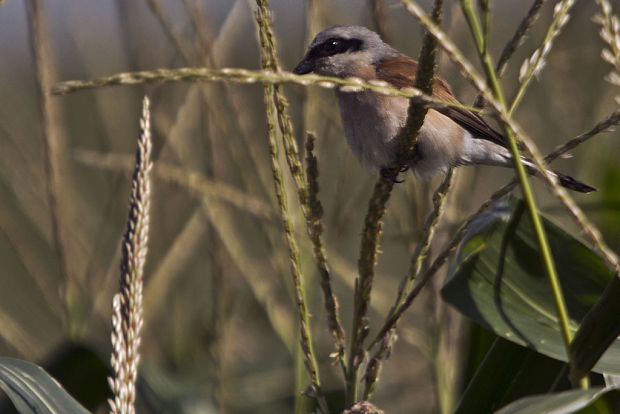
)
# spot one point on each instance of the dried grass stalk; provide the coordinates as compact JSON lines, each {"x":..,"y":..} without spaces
{"x":269,"y":60}
{"x":405,"y":141}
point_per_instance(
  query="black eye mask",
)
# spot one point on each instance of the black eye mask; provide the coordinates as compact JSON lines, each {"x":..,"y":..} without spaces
{"x":330,"y":47}
{"x":334,"y":46}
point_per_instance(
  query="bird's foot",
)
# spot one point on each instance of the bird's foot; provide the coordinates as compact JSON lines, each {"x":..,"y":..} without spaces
{"x":392,"y":173}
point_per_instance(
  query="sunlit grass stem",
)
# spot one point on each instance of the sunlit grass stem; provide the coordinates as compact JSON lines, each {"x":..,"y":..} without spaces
{"x":305,"y":333}
{"x":310,"y":208}
{"x":405,"y":145}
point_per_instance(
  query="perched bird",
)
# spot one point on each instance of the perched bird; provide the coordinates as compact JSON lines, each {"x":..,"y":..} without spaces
{"x":448,"y":138}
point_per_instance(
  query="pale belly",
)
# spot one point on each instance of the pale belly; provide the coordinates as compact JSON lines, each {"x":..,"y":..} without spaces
{"x":371,"y":122}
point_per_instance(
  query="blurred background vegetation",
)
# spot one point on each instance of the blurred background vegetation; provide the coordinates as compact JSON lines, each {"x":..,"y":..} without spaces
{"x":220,"y":322}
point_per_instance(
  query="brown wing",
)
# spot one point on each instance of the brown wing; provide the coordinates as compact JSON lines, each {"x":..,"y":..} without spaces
{"x":401,"y":72}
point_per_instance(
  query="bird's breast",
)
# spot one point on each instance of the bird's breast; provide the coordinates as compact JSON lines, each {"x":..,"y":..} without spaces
{"x":371,"y":122}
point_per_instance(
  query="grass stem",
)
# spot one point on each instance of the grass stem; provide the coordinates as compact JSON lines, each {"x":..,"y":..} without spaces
{"x":545,"y":251}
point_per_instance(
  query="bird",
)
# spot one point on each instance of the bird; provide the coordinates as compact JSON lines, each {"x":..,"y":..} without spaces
{"x":449,"y":136}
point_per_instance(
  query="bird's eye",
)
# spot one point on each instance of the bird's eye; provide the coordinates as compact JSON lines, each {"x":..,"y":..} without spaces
{"x":333,"y":45}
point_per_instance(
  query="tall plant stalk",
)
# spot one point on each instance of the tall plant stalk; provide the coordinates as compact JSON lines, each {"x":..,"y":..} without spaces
{"x":305,"y":334}
{"x":528,"y":194}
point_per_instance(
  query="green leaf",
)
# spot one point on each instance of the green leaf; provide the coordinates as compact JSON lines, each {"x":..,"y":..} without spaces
{"x":477,"y":343}
{"x":509,"y":372}
{"x":32,"y":390}
{"x":497,"y":280}
{"x":591,"y":401}
{"x":599,"y":329}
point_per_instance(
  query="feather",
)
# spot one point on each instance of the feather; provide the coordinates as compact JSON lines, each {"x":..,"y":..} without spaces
{"x":401,"y":72}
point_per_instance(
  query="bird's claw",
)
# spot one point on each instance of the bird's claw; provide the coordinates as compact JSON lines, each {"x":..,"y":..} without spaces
{"x":392,"y":174}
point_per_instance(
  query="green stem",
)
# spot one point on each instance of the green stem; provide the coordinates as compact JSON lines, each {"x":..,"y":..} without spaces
{"x":545,"y":251}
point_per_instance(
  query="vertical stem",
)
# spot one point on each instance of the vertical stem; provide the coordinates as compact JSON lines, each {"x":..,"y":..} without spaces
{"x":307,"y":348}
{"x":363,"y":284}
{"x":307,"y":190}
{"x":541,"y":238}
{"x":405,"y":145}
{"x":53,"y":148}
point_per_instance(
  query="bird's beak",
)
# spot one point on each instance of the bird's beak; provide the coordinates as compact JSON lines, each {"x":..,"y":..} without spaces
{"x":305,"y":66}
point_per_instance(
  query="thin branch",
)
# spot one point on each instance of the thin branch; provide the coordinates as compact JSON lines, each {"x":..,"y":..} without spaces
{"x":53,"y":147}
{"x":514,"y":43}
{"x":534,"y":65}
{"x":310,"y":208}
{"x":519,"y":36}
{"x":174,"y":35}
{"x":421,"y":252}
{"x":418,"y":258}
{"x":241,"y":75}
{"x":405,"y":145}
{"x":315,"y":228}
{"x":603,"y":126}
{"x":268,"y":60}
{"x":439,"y":261}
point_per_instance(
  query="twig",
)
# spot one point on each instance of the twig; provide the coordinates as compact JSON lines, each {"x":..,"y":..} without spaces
{"x":174,"y":35}
{"x":315,"y":229}
{"x":241,"y":75}
{"x":485,"y":9}
{"x":515,"y":42}
{"x":267,"y":60}
{"x":405,"y":144}
{"x":519,"y":36}
{"x":390,"y":323}
{"x":363,"y":284}
{"x":533,"y":66}
{"x":419,"y":256}
{"x":310,"y":208}
{"x":421,"y":252}
{"x":612,"y":120}
{"x":53,"y":147}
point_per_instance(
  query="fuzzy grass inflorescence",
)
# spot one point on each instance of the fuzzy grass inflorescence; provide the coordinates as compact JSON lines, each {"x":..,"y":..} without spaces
{"x":532,"y":66}
{"x":610,"y":33}
{"x":127,"y":304}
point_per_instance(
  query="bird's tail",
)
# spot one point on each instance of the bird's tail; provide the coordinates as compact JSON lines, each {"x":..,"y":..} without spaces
{"x":572,"y":183}
{"x":565,"y":180}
